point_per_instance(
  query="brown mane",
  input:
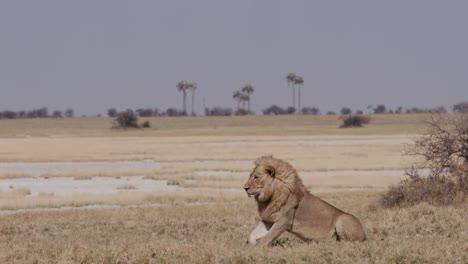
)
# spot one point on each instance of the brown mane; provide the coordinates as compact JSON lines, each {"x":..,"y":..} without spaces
{"x":287,"y":183}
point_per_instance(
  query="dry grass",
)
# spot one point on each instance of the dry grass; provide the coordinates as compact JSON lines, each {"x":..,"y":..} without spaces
{"x":14,"y":194}
{"x":15,"y":175}
{"x":211,"y":126}
{"x":209,"y":218}
{"x":88,"y":174}
{"x":216,"y":233}
{"x":126,"y":187}
{"x":323,"y":157}
{"x":15,"y":200}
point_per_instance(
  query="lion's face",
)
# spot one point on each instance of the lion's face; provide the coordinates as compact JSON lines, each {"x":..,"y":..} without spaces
{"x":260,"y":183}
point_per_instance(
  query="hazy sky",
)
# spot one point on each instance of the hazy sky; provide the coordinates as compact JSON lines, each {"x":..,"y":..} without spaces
{"x":91,"y":55}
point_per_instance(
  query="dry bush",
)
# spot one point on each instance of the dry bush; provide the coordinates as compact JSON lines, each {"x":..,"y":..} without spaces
{"x":126,"y":119}
{"x":354,"y":120}
{"x":432,"y":189}
{"x":146,"y":124}
{"x":443,"y":151}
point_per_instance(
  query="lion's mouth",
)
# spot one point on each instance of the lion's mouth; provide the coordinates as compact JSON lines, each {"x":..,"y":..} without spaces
{"x":255,"y":194}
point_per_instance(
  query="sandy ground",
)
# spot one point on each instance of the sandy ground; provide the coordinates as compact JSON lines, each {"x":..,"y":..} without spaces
{"x":313,"y":141}
{"x":96,"y":185}
{"x":36,"y":169}
{"x":312,"y":173}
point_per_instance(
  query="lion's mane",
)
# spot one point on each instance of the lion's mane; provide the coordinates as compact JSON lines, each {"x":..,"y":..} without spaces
{"x":287,"y":182}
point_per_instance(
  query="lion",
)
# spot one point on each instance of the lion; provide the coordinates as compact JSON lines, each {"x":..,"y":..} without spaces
{"x":284,"y":204}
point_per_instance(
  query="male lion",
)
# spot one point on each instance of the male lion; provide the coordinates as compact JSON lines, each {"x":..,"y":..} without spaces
{"x":284,"y":204}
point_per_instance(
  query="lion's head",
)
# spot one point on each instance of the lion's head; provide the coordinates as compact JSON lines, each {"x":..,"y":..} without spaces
{"x":272,"y":178}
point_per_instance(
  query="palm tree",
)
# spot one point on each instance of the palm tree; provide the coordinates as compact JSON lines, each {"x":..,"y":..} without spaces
{"x":299,"y":81}
{"x":290,"y":78}
{"x":237,"y":95}
{"x":247,"y":90}
{"x":192,"y":87}
{"x":183,"y":86}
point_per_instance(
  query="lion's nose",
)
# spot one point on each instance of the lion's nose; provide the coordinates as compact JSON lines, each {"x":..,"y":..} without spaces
{"x":246,"y":188}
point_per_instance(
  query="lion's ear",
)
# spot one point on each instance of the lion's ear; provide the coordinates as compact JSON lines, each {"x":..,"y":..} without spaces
{"x":270,"y":170}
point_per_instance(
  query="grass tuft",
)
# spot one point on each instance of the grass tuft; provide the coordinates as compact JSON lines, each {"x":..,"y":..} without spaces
{"x":126,"y":187}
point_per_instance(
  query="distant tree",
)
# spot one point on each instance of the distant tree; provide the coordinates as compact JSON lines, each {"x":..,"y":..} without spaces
{"x":346,"y":111}
{"x":247,"y":91}
{"x":461,"y":107}
{"x":112,"y":112}
{"x":414,"y":110}
{"x":145,"y":112}
{"x":291,"y":78}
{"x":174,"y":112}
{"x":380,"y":109}
{"x":156,"y":112}
{"x":274,"y":110}
{"x":183,"y":86}
{"x":310,"y":111}
{"x":399,"y":110}
{"x":7,"y":114}
{"x":359,"y":112}
{"x":241,"y":112}
{"x":290,"y":110}
{"x":218,"y":111}
{"x":331,"y":113}
{"x":237,"y":95}
{"x":439,"y":110}
{"x":43,"y":112}
{"x":299,"y":81}
{"x":69,"y":113}
{"x":192,"y":87}
{"x":57,"y":114}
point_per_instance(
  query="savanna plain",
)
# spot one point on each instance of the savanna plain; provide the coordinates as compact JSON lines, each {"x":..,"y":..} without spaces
{"x":74,"y":190}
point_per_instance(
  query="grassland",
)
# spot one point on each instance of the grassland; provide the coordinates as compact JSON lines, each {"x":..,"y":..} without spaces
{"x":216,"y":233}
{"x":208,"y":219}
{"x":212,"y":126}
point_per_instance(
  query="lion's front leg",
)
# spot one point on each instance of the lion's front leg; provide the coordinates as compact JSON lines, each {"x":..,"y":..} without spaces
{"x":260,"y":231}
{"x":275,"y":231}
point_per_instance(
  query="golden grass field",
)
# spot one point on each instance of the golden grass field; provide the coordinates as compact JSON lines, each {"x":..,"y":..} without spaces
{"x":208,"y":218}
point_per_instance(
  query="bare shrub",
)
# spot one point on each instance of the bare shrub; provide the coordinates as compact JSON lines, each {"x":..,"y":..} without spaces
{"x":443,"y":152}
{"x":126,"y":119}
{"x":146,"y":124}
{"x":461,"y":107}
{"x":354,"y":120}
